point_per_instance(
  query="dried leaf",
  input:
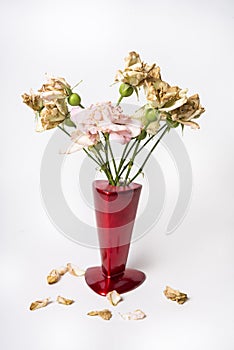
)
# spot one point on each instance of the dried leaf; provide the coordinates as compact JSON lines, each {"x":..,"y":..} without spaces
{"x":114,"y":297}
{"x":39,"y":304}
{"x":64,"y":301}
{"x":75,"y":270}
{"x":175,"y":295}
{"x":53,"y":276}
{"x":104,"y":314}
{"x":135,"y":315}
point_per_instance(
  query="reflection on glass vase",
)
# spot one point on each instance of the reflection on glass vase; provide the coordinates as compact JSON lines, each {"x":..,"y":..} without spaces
{"x":115,"y":208}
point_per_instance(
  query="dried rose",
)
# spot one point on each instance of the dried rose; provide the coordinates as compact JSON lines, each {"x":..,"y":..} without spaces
{"x":135,"y":315}
{"x":53,"y":277}
{"x":175,"y":295}
{"x":104,"y":314}
{"x":185,"y":114}
{"x":33,"y":101}
{"x":52,"y":115}
{"x":39,"y":304}
{"x":64,"y":301}
{"x":136,"y":72}
{"x":164,"y":96}
{"x":114,"y":297}
{"x":75,"y":270}
{"x":55,"y":89}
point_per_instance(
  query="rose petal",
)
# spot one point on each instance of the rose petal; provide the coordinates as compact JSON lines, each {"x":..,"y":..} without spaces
{"x":104,"y":314}
{"x":135,"y":315}
{"x":175,"y":295}
{"x":53,"y":277}
{"x":114,"y":297}
{"x":75,"y":270}
{"x":64,"y":301}
{"x":39,"y":304}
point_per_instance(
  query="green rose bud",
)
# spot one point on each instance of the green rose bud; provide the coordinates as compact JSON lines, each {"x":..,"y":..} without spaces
{"x":126,"y":90}
{"x":74,"y":99}
{"x":151,"y":115}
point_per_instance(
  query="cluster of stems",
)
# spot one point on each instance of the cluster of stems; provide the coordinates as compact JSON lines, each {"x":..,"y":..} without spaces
{"x":122,"y":171}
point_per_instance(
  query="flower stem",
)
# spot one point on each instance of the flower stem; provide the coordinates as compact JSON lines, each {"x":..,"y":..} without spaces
{"x":150,"y":138}
{"x":124,"y":159}
{"x":90,"y":156}
{"x":105,"y":167}
{"x":149,"y":154}
{"x":63,"y":130}
{"x":112,"y":157}
{"x":130,"y":163}
{"x":119,"y":100}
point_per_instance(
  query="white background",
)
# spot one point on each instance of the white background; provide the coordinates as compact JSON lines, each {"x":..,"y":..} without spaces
{"x":192,"y":41}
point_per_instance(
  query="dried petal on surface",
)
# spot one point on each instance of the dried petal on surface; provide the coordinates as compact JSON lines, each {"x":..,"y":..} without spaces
{"x":39,"y":304}
{"x":104,"y":314}
{"x":135,"y":315}
{"x":114,"y":297}
{"x":75,"y":270}
{"x":53,"y":276}
{"x":175,"y":295}
{"x":62,"y":270}
{"x":64,"y":301}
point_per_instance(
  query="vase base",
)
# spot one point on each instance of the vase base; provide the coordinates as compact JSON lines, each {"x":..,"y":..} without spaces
{"x":99,"y":283}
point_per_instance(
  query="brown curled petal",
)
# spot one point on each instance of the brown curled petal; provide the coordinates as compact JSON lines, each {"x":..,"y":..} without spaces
{"x":39,"y":304}
{"x":114,"y":297}
{"x":64,"y":301}
{"x":175,"y":295}
{"x":53,"y":277}
{"x":75,"y":270}
{"x":104,"y":314}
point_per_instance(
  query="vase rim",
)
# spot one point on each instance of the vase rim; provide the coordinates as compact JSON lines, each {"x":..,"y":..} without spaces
{"x":104,"y":185}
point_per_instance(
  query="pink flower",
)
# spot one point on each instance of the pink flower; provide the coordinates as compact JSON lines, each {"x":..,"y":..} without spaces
{"x":106,"y":118}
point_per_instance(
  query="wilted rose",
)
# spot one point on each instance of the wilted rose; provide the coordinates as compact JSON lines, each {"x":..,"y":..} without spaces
{"x":136,"y":72}
{"x":55,"y":88}
{"x":165,"y":97}
{"x":185,"y":114}
{"x":33,"y":101}
{"x":52,"y":115}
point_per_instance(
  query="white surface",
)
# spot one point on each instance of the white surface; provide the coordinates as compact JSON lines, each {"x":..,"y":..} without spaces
{"x":192,"y":41}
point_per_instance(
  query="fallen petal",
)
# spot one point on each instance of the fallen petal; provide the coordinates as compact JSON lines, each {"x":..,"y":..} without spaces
{"x":175,"y":295}
{"x":64,"y":301}
{"x":62,"y":270}
{"x":135,"y":315}
{"x":39,"y":304}
{"x":104,"y":314}
{"x":53,"y":276}
{"x":75,"y":270}
{"x":114,"y":297}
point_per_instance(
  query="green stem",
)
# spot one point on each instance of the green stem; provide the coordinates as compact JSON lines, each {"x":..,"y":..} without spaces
{"x":106,"y":168}
{"x":119,"y":100}
{"x":130,"y":163}
{"x":149,"y":154}
{"x":90,"y":156}
{"x":151,"y":137}
{"x":124,"y":159}
{"x":112,"y":157}
{"x":63,"y":130}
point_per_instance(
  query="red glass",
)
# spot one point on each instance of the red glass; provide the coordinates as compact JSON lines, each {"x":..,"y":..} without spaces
{"x":115,"y":208}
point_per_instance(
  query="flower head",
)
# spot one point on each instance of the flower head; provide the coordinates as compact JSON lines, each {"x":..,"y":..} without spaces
{"x":104,"y":118}
{"x":137,"y":73}
{"x":55,"y":88}
{"x":185,"y":114}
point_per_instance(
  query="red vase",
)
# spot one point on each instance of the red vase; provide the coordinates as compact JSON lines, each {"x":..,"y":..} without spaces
{"x":115,"y":208}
